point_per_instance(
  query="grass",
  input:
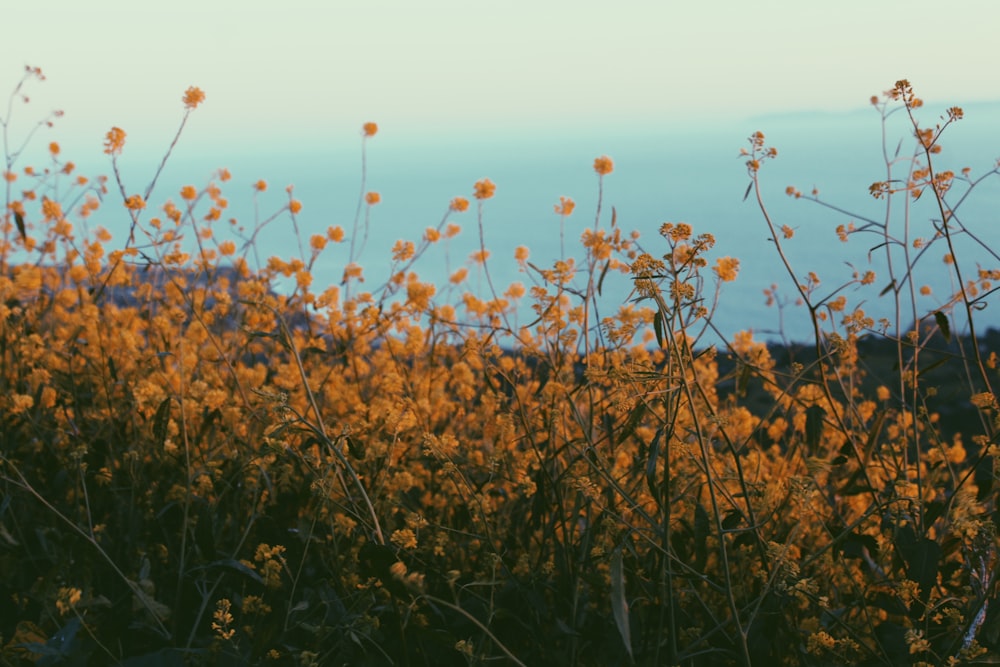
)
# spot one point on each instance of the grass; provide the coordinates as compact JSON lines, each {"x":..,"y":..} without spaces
{"x":198,"y":468}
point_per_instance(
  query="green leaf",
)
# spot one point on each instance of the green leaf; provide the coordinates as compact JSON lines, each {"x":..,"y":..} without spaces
{"x":942,"y":322}
{"x":654,"y":452}
{"x":658,"y":327}
{"x":19,"y":221}
{"x":619,"y":605}
{"x":160,"y":422}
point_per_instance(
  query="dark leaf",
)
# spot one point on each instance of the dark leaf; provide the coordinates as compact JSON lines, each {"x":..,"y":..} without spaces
{"x":749,"y":188}
{"x":942,"y":322}
{"x":160,"y":422}
{"x":658,"y":327}
{"x":654,"y":452}
{"x":701,"y":528}
{"x":19,"y":221}
{"x":814,"y":425}
{"x":619,"y":605}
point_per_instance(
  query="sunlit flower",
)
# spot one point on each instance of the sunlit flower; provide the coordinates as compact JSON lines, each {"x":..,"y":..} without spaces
{"x":369,"y":129}
{"x":727,"y":268}
{"x":484,"y":189}
{"x":114,"y":141}
{"x":604,"y":165}
{"x":135,"y":203}
{"x":193,"y":96}
{"x":565,"y":206}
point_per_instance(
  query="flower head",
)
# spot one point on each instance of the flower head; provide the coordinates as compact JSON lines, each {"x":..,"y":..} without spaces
{"x":369,"y":129}
{"x":604,"y":165}
{"x":459,"y":204}
{"x":372,"y":198}
{"x":565,"y":206}
{"x":484,"y":189}
{"x":193,"y":96}
{"x":114,"y":141}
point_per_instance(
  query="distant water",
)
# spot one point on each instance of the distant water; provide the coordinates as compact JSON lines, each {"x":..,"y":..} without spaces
{"x":661,"y":174}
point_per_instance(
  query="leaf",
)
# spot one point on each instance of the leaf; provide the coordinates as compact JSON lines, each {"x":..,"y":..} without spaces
{"x":942,"y":322}
{"x":658,"y":327}
{"x":888,"y":288}
{"x":614,"y":217}
{"x":600,"y":281}
{"x":619,"y":605}
{"x":654,"y":452}
{"x":701,"y":528}
{"x":160,"y":422}
{"x":747,"y":193}
{"x":814,"y":425}
{"x":19,"y":221}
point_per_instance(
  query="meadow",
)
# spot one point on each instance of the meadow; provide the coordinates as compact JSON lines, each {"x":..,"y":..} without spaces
{"x":201,"y":467}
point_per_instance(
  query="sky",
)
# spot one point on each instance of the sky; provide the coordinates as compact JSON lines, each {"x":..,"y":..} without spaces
{"x":284,"y":76}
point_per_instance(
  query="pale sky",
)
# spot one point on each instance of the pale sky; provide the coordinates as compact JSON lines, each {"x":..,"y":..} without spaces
{"x":292,"y":71}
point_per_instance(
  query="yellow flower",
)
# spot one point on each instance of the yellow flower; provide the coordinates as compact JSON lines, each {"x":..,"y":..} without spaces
{"x":135,"y":203}
{"x":67,"y":599}
{"x":604,"y":165}
{"x":369,"y":129}
{"x":459,"y":204}
{"x":114,"y":141}
{"x":565,"y":206}
{"x":727,"y":268}
{"x":193,"y":96}
{"x":484,"y":189}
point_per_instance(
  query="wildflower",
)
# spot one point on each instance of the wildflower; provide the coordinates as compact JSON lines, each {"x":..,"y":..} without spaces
{"x":222,"y":619}
{"x":227,"y":248}
{"x":521,"y":253}
{"x":983,"y":401}
{"x":224,"y":175}
{"x":67,"y":599}
{"x":404,"y":539}
{"x":369,"y":129}
{"x":565,"y":206}
{"x":260,"y":186}
{"x":114,"y":141}
{"x":372,"y":198}
{"x":294,"y":206}
{"x":54,"y":148}
{"x":335,"y":234}
{"x":727,"y":268}
{"x":189,"y":192}
{"x":459,"y":204}
{"x":135,"y":203}
{"x":604,"y":165}
{"x":452,"y":230}
{"x":317,"y":242}
{"x":193,"y":96}
{"x":484,"y":189}
{"x":432,"y":235}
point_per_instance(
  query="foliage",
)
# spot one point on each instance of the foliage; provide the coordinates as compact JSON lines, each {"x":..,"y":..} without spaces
{"x":198,"y":467}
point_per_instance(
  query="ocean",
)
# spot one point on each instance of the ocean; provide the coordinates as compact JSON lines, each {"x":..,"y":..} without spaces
{"x":685,"y":173}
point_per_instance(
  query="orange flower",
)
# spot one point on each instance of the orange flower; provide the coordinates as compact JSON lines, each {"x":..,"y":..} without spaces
{"x":727,"y":268}
{"x":459,"y":204}
{"x":432,"y":235}
{"x":189,"y":192}
{"x":224,"y":175}
{"x":9,"y":176}
{"x":260,"y":185}
{"x":372,"y":198}
{"x":604,"y":165}
{"x":193,"y":96}
{"x":565,"y":206}
{"x":227,"y":248}
{"x":452,"y":230}
{"x":114,"y":141}
{"x":295,"y":206}
{"x":335,"y":234}
{"x":54,"y":148}
{"x":369,"y":129}
{"x":317,"y":242}
{"x":484,"y":189}
{"x":521,"y":253}
{"x":135,"y":203}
